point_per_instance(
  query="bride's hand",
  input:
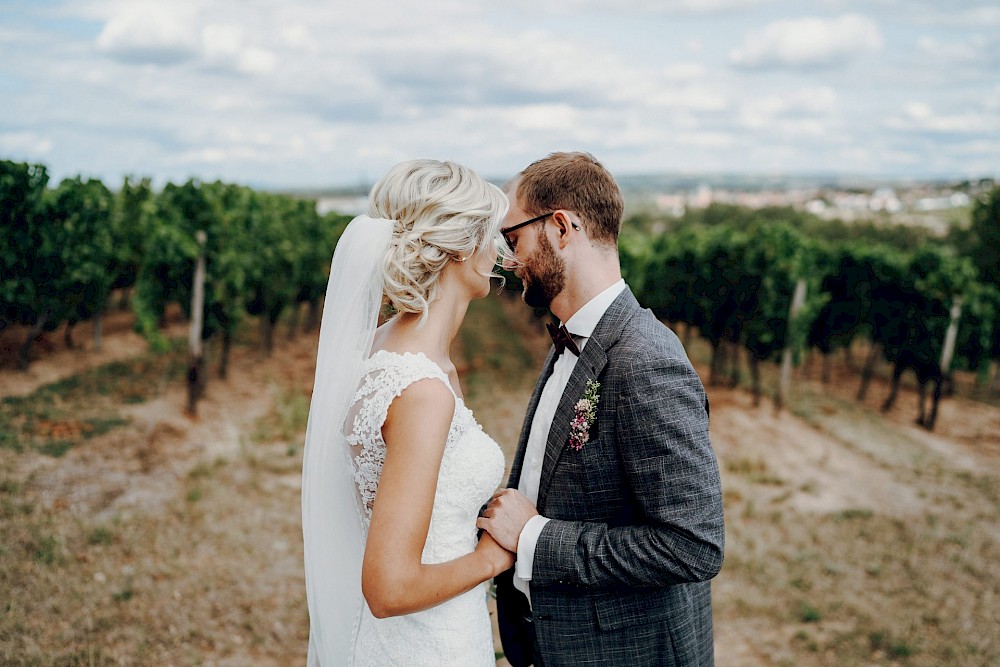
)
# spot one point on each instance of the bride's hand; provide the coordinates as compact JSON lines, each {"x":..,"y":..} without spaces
{"x":499,"y":559}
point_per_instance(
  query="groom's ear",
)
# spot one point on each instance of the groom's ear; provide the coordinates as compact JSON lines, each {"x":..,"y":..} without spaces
{"x":564,"y":226}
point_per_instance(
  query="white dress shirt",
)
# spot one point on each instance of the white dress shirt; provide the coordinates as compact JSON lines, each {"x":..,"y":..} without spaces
{"x":580,"y":326}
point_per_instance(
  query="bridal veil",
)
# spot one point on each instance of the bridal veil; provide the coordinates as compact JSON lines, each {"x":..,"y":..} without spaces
{"x":331,"y":515}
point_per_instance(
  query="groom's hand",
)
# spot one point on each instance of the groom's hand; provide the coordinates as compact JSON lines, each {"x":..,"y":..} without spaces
{"x":505,"y":516}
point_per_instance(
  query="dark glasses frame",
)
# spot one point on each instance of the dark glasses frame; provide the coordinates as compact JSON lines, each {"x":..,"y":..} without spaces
{"x":508,"y":230}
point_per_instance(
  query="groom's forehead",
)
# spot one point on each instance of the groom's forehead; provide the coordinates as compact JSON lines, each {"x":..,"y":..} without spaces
{"x":516,"y":212}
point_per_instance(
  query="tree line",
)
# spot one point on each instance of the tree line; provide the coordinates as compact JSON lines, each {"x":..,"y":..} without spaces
{"x":763,"y":284}
{"x":729,"y":273}
{"x":65,"y":250}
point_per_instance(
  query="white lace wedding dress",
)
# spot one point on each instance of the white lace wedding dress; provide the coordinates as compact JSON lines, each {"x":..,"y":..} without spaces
{"x":458,"y":631}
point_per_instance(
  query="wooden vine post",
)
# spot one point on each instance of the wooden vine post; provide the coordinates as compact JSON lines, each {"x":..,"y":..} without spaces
{"x":951,"y":335}
{"x":798,"y":300}
{"x":196,"y":361}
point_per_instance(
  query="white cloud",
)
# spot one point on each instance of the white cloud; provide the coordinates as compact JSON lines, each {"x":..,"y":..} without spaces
{"x":685,"y":71}
{"x":920,"y":117}
{"x":223,"y":46}
{"x":169,"y":34}
{"x":544,"y":117}
{"x":918,"y":111}
{"x":966,"y":51}
{"x":25,"y":144}
{"x":696,"y":97}
{"x":200,"y":156}
{"x":804,"y":107}
{"x":314,"y":92}
{"x":808,"y":42}
{"x":150,"y":32}
{"x":714,"y":140}
{"x":222,"y":42}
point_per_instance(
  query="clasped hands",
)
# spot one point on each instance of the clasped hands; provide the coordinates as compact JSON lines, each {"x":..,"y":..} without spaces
{"x":505,"y":516}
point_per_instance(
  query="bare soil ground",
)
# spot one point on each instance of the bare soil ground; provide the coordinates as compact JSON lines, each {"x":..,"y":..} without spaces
{"x":853,"y":538}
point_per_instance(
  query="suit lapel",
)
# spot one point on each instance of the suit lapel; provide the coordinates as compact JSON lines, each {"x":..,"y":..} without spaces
{"x":522,"y":443}
{"x":592,"y":361}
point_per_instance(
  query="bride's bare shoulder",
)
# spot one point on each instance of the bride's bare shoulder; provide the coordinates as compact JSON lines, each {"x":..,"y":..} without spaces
{"x":422,"y":413}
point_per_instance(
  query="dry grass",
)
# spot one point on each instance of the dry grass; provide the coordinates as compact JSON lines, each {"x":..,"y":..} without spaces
{"x":852,"y":538}
{"x":855,"y":538}
{"x":165,"y":541}
{"x":202,"y":580}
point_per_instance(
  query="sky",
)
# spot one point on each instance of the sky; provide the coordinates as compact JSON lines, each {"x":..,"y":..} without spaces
{"x":329,"y":93}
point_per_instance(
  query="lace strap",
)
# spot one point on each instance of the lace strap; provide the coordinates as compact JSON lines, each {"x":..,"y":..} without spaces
{"x":399,"y":371}
{"x":387,"y":375}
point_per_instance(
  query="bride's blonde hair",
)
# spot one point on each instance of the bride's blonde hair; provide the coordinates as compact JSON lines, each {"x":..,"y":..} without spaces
{"x":443,"y":212}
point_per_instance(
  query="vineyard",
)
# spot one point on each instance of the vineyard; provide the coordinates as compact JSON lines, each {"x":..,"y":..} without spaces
{"x":765,"y":285}
{"x":775,"y":284}
{"x":66,"y":250}
{"x":132,"y":532}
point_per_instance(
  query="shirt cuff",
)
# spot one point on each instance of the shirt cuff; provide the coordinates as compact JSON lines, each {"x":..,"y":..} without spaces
{"x":526,"y":546}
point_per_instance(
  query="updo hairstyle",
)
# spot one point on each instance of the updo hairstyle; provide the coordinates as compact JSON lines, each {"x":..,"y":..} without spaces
{"x":443,"y":212}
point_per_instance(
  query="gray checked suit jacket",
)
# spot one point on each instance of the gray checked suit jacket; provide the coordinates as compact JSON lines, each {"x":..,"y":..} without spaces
{"x":621,"y":572}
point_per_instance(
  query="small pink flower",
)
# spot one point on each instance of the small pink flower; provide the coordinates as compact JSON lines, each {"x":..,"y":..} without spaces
{"x":586,"y":415}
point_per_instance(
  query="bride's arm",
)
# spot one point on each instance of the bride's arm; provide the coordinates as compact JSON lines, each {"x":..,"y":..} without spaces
{"x":393,"y":579}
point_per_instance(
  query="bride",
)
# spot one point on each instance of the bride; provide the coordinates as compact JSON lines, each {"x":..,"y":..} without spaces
{"x":396,"y":467}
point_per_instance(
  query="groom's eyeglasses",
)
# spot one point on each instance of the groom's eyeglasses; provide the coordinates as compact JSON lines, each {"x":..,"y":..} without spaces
{"x":512,"y":242}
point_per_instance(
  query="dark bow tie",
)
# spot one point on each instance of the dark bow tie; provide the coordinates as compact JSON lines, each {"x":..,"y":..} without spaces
{"x":562,"y":339}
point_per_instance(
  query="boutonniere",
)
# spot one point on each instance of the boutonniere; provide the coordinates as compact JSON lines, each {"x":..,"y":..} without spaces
{"x":585,"y":415}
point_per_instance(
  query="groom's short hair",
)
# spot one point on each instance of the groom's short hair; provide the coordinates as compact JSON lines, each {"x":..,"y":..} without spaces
{"x":574,"y":182}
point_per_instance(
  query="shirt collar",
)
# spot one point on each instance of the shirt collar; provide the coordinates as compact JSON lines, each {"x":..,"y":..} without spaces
{"x":585,"y":320}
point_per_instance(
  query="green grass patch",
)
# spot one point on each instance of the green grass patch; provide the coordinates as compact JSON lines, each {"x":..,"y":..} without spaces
{"x":55,"y":448}
{"x":101,"y":536}
{"x":894,"y":648}
{"x":125,"y":594}
{"x":200,"y":471}
{"x":807,"y":642}
{"x":45,"y":549}
{"x":10,"y":508}
{"x":807,"y":613}
{"x":10,"y":487}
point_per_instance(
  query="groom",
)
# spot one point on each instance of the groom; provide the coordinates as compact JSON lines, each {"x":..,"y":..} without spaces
{"x":614,"y":509}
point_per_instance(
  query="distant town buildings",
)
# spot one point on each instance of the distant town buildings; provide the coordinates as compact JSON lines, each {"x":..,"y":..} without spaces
{"x":930,"y":205}
{"x":344,"y":204}
{"x":936,"y":206}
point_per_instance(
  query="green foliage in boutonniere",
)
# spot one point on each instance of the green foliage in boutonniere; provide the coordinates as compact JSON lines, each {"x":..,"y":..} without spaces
{"x":586,"y":415}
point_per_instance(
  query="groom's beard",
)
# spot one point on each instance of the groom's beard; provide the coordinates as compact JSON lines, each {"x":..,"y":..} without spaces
{"x":543,"y":275}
